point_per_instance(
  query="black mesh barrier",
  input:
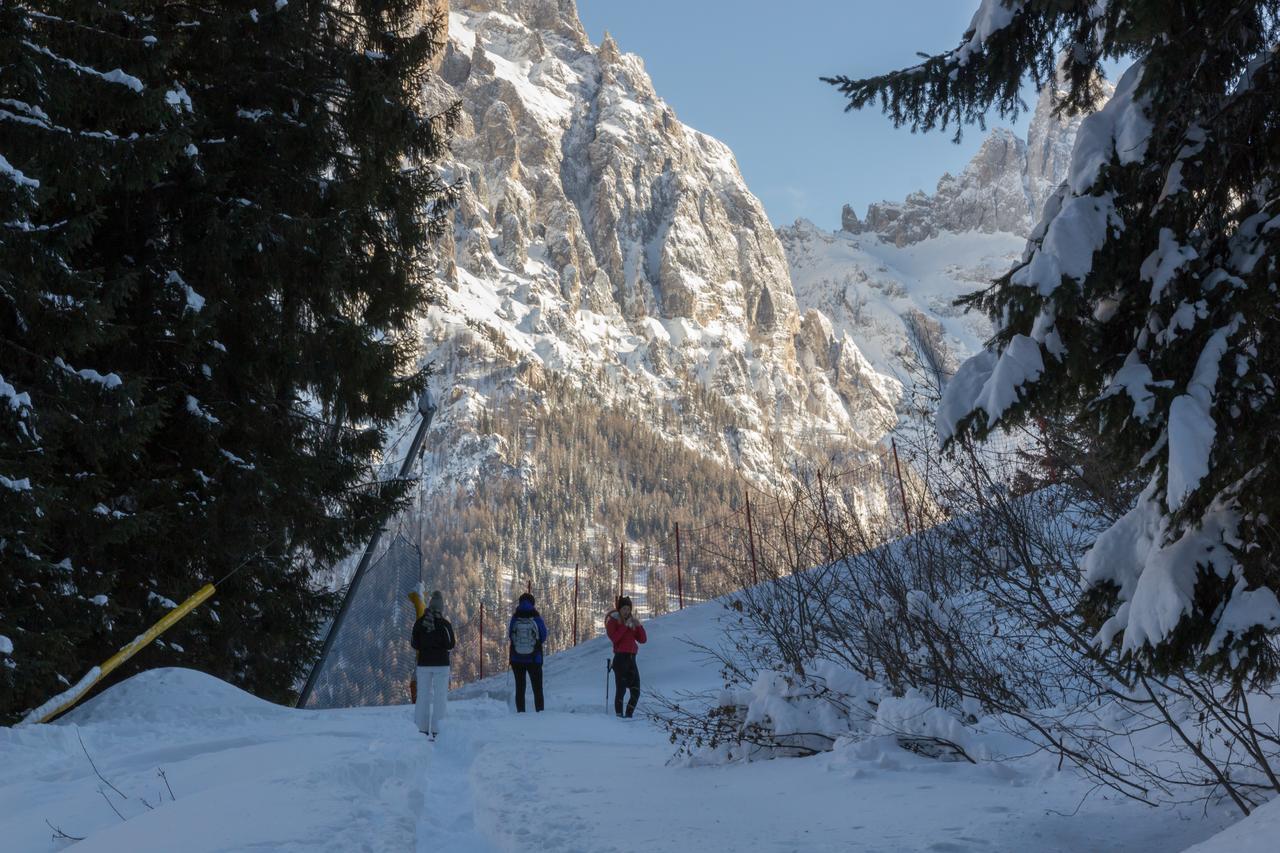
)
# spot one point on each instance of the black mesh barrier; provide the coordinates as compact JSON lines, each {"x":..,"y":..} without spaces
{"x":371,"y":661}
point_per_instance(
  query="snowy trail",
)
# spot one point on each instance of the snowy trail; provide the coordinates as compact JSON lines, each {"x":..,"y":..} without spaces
{"x":250,"y":776}
{"x":446,"y":807}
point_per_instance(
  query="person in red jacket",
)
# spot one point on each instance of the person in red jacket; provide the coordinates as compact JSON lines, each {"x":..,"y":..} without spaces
{"x":626,"y":633}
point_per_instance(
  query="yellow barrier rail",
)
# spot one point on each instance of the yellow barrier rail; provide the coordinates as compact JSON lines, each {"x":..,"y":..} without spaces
{"x":67,"y":700}
{"x":420,"y":607}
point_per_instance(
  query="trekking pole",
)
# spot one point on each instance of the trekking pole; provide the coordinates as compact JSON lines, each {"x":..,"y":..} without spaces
{"x":608,"y":670}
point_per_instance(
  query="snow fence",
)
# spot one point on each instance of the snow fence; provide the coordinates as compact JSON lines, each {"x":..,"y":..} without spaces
{"x":371,"y":661}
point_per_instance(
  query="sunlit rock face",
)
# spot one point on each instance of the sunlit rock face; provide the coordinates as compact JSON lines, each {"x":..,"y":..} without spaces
{"x":600,"y":244}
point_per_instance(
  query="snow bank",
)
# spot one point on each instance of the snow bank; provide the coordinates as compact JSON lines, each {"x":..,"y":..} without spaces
{"x":167,"y":694}
{"x":244,"y":774}
{"x":1258,"y":833}
{"x":784,"y":714}
{"x":155,"y":694}
{"x":247,"y":775}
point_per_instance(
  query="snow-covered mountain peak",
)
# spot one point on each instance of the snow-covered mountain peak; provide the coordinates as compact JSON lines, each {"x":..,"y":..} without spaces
{"x":603,"y":245}
{"x":1001,"y":189}
{"x":890,"y":279}
{"x":558,"y":17}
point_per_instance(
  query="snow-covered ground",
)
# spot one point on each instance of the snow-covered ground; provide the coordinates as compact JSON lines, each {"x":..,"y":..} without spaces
{"x":1259,"y":833}
{"x":248,"y":775}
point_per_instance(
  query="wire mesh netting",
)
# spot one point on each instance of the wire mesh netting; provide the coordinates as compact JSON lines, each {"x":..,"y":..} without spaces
{"x":371,"y":661}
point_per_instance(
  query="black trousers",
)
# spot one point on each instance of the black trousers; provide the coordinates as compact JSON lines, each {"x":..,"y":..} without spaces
{"x":626,"y":675}
{"x":534,"y":673}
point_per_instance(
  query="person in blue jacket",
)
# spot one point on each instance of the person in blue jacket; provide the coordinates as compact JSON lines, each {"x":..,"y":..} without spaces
{"x":526,"y":634}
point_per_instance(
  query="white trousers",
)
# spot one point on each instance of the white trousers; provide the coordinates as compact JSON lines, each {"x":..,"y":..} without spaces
{"x":433,"y":693}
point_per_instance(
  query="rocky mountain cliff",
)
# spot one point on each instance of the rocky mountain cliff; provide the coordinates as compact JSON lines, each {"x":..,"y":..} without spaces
{"x":603,"y":245}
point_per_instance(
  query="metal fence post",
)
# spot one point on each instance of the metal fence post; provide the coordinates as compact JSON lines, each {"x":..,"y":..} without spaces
{"x":826,"y":520}
{"x":679,"y":574}
{"x":906,"y":511}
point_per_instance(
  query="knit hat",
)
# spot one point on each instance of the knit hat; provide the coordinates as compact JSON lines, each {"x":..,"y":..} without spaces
{"x":524,"y":596}
{"x":436,"y":604}
{"x":623,"y":601}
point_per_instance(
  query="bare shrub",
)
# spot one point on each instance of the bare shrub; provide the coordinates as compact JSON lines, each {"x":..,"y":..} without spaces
{"x":978,"y":612}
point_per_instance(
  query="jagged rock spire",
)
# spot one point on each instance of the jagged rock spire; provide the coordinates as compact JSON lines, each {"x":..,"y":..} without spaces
{"x":849,"y":220}
{"x":609,"y":53}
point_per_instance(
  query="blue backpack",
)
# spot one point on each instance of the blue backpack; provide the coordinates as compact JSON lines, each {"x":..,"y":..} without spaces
{"x":524,"y":635}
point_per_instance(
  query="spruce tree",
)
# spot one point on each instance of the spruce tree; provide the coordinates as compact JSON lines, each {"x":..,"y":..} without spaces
{"x":81,"y":126}
{"x":1144,"y":302}
{"x":217,"y":225}
{"x":302,"y":220}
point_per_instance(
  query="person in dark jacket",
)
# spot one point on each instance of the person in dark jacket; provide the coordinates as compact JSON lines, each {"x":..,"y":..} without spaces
{"x":526,"y":634}
{"x":433,"y":638}
{"x":626,"y":633}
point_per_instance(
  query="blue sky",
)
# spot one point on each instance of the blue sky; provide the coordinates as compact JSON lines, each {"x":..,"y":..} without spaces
{"x":746,"y":71}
